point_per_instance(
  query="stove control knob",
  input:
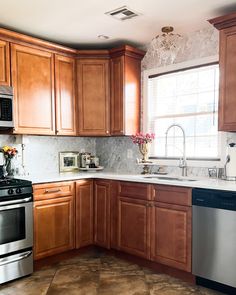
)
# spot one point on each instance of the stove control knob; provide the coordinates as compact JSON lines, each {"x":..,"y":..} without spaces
{"x":10,"y":191}
{"x":18,"y":190}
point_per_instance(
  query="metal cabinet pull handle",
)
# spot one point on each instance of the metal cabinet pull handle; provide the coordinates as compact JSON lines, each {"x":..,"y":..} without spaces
{"x":48,"y":191}
{"x":4,"y":261}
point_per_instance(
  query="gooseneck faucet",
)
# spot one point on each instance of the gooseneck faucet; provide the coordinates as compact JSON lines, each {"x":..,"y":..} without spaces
{"x":182,"y":161}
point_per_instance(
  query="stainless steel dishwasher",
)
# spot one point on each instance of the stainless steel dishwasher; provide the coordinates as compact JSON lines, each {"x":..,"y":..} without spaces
{"x":214,"y":235}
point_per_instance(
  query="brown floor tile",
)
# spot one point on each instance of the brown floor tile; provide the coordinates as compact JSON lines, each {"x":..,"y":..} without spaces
{"x":96,"y":273}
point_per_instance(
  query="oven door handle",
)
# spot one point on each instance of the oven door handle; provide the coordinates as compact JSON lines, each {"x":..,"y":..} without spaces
{"x":5,"y":261}
{"x":15,"y":201}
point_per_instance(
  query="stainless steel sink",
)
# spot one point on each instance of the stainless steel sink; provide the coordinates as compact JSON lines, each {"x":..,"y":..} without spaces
{"x":170,"y":178}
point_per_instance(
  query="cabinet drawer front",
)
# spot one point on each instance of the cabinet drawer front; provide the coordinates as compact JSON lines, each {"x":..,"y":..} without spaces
{"x":53,"y":190}
{"x":172,"y":195}
{"x":135,"y":190}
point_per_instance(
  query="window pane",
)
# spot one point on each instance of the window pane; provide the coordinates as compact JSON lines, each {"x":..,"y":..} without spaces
{"x":188,"y":98}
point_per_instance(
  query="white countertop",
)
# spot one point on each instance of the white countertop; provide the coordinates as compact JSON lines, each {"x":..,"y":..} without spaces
{"x":207,"y":183}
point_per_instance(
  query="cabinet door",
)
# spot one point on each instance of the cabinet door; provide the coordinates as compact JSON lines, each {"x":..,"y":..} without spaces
{"x":93,"y":96}
{"x":117,"y":96}
{"x":53,"y":226}
{"x":65,"y":95}
{"x":134,"y":227}
{"x":125,"y":95}
{"x":171,"y":235}
{"x":227,"y":102}
{"x":102,"y":213}
{"x":33,"y":82}
{"x":4,"y":63}
{"x":84,"y":213}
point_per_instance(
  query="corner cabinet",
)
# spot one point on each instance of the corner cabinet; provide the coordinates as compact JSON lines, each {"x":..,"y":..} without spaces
{"x":125,"y":90}
{"x":93,"y":96}
{"x":33,"y":82}
{"x":65,"y":79}
{"x":84,"y":213}
{"x":227,"y":99}
{"x":4,"y":63}
{"x":102,"y":213}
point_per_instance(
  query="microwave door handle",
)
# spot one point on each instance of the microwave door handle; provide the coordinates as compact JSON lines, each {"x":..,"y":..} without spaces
{"x":4,"y":261}
{"x":15,"y":202}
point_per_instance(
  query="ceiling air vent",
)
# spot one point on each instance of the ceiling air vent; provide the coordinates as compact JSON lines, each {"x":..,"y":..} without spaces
{"x":123,"y":13}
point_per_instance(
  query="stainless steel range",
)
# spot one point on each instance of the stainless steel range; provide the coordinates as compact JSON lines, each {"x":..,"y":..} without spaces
{"x":16,"y":229}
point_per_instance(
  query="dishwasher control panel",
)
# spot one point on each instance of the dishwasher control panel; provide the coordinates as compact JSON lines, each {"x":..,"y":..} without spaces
{"x":214,"y":199}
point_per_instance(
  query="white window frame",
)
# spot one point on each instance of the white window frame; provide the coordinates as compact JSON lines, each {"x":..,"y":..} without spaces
{"x":171,"y":68}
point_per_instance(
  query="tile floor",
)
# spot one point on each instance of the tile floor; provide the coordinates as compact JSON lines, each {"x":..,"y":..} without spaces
{"x":96,"y":273}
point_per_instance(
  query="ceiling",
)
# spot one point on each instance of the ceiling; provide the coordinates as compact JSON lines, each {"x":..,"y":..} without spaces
{"x":78,"y":23}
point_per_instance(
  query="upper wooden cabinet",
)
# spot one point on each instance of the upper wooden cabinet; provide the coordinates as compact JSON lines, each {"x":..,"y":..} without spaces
{"x":93,"y":96}
{"x":125,"y":90}
{"x":33,"y":82}
{"x":4,"y":63}
{"x":65,"y":71}
{"x":227,"y":98}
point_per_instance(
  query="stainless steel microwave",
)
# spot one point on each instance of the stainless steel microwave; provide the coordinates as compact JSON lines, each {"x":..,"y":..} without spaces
{"x":6,"y":107}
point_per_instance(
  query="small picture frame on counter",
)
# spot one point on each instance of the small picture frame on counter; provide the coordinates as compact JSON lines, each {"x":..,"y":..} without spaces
{"x":68,"y":161}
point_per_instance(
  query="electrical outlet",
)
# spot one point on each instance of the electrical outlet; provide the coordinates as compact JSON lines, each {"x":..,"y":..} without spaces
{"x":129,"y":154}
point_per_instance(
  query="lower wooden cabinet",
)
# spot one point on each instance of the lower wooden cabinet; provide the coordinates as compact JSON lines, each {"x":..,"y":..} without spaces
{"x":53,"y":226}
{"x":134,"y":227}
{"x":102,"y":213}
{"x":171,"y":235}
{"x":84,"y":213}
{"x":53,"y":218}
{"x":149,"y":221}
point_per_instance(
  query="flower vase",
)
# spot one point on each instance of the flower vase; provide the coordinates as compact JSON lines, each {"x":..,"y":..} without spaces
{"x":144,"y":149}
{"x":9,"y":169}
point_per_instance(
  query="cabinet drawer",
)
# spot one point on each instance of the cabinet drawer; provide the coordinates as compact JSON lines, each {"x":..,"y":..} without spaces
{"x":172,"y":195}
{"x":135,"y":190}
{"x":53,"y":190}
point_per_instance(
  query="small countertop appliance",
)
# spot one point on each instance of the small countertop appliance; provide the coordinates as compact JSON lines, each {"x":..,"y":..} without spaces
{"x":230,"y":165}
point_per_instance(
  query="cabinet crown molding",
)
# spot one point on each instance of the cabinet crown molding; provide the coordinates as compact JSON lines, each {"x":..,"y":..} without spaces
{"x":223,"y":22}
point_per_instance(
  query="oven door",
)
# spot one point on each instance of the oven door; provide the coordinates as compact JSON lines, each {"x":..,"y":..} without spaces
{"x":16,"y":226}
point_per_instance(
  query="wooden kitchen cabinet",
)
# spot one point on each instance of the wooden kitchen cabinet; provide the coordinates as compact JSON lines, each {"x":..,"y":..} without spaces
{"x":53,"y":218}
{"x":33,"y":82}
{"x":227,"y":63}
{"x":4,"y":63}
{"x":93,"y":96}
{"x":84,"y":213}
{"x":102,"y":213}
{"x":125,"y":90}
{"x":65,"y":70}
{"x":171,"y":219}
{"x":134,"y":227}
{"x":134,"y":218}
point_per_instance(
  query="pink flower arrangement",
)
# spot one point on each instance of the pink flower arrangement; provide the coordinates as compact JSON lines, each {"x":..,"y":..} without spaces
{"x":141,"y":138}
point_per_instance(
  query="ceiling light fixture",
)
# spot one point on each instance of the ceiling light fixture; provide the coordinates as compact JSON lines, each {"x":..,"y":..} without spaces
{"x":167,"y":44}
{"x":103,"y":37}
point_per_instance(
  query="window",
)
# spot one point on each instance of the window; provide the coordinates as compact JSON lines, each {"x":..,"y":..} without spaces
{"x":187,"y":97}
